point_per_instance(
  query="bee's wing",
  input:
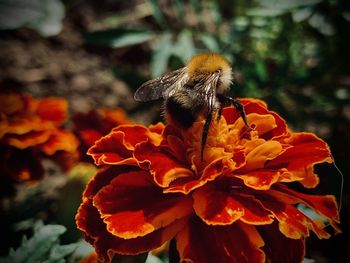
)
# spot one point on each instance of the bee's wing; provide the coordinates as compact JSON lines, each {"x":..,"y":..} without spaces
{"x":207,"y":88}
{"x":163,"y":86}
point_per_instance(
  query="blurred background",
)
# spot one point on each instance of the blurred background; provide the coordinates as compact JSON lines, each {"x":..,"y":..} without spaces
{"x":295,"y":55}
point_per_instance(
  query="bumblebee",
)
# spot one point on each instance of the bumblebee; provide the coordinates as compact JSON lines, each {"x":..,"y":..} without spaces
{"x":192,"y":91}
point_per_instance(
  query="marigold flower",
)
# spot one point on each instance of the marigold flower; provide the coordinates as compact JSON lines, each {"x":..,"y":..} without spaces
{"x":234,"y":206}
{"x":30,"y":129}
{"x":96,"y":123}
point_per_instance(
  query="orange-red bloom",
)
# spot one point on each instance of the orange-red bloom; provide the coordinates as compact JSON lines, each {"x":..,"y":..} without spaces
{"x":96,"y":123}
{"x":234,"y":206}
{"x":30,"y":129}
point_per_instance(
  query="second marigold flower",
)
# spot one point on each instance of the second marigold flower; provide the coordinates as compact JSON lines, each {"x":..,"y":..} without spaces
{"x":234,"y":206}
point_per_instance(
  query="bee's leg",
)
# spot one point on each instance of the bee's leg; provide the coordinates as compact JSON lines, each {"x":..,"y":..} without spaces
{"x":218,"y":117}
{"x":228,"y":101}
{"x":205,"y":131}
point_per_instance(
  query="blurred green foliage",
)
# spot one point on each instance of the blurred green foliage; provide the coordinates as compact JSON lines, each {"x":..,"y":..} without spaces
{"x":291,"y":53}
{"x":44,"y":16}
{"x":44,"y":246}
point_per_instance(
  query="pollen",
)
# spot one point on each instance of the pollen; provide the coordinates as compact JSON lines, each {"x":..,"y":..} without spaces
{"x":205,"y":63}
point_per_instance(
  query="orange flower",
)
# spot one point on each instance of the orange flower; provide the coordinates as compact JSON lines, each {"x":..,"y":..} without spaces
{"x":90,"y":258}
{"x":234,"y":206}
{"x":30,"y":129}
{"x":96,"y":123}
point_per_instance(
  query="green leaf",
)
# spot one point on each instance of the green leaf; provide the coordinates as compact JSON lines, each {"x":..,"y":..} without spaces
{"x":44,"y":16}
{"x":119,"y":37}
{"x":59,"y":252}
{"x":82,"y":250}
{"x":321,"y":23}
{"x":153,"y":259}
{"x":161,"y":54}
{"x":265,"y":11}
{"x":210,"y":42}
{"x":301,"y":14}
{"x":179,"y":10}
{"x":157,"y":13}
{"x":288,"y":4}
{"x":37,"y":248}
{"x":184,"y":47}
{"x":260,"y":70}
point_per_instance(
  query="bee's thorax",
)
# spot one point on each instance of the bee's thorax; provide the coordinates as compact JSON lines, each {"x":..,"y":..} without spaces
{"x":204,"y":64}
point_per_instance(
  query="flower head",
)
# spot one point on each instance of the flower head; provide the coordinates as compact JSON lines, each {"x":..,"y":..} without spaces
{"x":31,"y":129}
{"x":96,"y":123}
{"x":153,"y":187}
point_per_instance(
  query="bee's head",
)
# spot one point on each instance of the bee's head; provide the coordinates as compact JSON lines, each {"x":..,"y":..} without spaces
{"x":204,"y":64}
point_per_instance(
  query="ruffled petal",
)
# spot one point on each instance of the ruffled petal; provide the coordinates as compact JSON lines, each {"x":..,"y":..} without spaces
{"x":187,"y":184}
{"x":53,"y":110}
{"x":217,"y":206}
{"x":106,"y":244}
{"x":110,"y":149}
{"x":132,"y":206}
{"x":238,"y":242}
{"x":163,"y":165}
{"x":264,"y":152}
{"x":260,"y":180}
{"x":118,"y":145}
{"x":90,"y":136}
{"x":135,"y":134}
{"x":105,"y":176}
{"x":60,"y":141}
{"x":256,"y":106}
{"x":306,"y":149}
{"x":89,"y":221}
{"x":325,"y":205}
{"x":29,"y":139}
{"x":292,"y":222}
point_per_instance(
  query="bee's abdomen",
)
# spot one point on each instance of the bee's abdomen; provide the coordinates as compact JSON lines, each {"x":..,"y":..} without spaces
{"x":180,"y":113}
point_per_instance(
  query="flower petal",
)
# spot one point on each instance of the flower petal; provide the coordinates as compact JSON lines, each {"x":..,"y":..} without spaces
{"x":106,"y":244}
{"x":110,"y":149}
{"x":104,"y":177}
{"x":29,"y":139}
{"x":187,"y":184}
{"x":260,"y":180}
{"x":307,"y":149}
{"x":11,"y":103}
{"x":258,"y":107}
{"x":224,"y":206}
{"x":53,"y":110}
{"x":200,"y":243}
{"x":326,"y":205}
{"x":279,"y":248}
{"x":163,"y":166}
{"x":260,"y":155}
{"x":132,"y":206}
{"x":292,"y":222}
{"x":90,"y":136}
{"x":135,"y":134}
{"x":60,"y":141}
{"x":117,"y":146}
{"x":88,"y":220}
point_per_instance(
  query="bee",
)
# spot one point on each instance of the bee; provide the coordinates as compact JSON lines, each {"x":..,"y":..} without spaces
{"x":195,"y":90}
